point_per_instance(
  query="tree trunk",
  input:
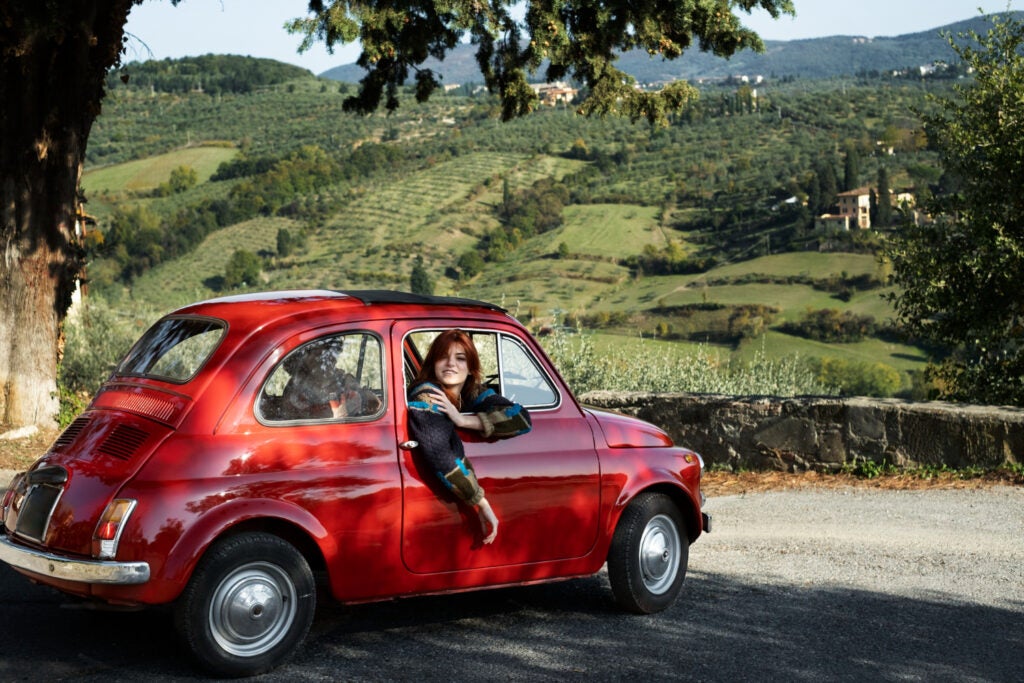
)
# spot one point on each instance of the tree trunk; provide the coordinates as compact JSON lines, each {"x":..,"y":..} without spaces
{"x":53,"y":61}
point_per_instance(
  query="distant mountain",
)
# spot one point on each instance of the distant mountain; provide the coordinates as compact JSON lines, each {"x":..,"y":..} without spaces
{"x":811,"y":58}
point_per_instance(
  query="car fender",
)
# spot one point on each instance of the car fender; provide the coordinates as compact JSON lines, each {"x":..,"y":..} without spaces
{"x":265,"y":513}
{"x":679,"y":483}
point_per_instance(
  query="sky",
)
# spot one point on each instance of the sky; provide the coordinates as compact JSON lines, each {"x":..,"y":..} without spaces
{"x":157,"y":29}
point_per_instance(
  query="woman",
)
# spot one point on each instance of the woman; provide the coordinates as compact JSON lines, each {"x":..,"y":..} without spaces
{"x":448,"y":382}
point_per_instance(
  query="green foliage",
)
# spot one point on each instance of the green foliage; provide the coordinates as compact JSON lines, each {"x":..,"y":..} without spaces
{"x":653,"y":369}
{"x":857,"y":378}
{"x":285,"y":243}
{"x":212,"y":74}
{"x":137,"y":240}
{"x":570,"y":39}
{"x":851,"y":168}
{"x":470,"y":264}
{"x":869,"y":469}
{"x":960,"y":274}
{"x":96,"y":337}
{"x":183,"y":178}
{"x":532,"y":211}
{"x":419,"y":280}
{"x":242,"y":269}
{"x":883,"y":217}
{"x":672,"y":259}
{"x":832,"y":325}
{"x":714,"y":186}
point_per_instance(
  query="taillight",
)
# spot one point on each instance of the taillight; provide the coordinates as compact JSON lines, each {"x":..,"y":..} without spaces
{"x":8,"y":499}
{"x":110,"y":527}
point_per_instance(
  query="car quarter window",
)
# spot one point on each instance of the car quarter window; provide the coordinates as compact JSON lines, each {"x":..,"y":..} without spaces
{"x":174,"y":349}
{"x":508,"y":366}
{"x":334,"y":378}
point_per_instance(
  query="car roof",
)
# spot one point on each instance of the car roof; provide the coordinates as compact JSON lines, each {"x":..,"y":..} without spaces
{"x":366,"y":297}
{"x":260,"y":309}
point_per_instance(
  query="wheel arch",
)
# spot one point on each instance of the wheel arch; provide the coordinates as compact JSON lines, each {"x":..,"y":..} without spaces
{"x":292,"y":524}
{"x":682,"y":499}
{"x":284,"y":529}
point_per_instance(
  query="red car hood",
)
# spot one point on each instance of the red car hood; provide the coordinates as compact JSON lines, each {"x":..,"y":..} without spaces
{"x":623,"y":431}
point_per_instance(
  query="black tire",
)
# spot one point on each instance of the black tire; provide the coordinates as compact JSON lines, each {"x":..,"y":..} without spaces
{"x":248,"y":605}
{"x":648,"y":555}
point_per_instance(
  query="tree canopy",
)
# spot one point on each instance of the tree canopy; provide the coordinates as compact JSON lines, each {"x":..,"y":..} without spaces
{"x":959,"y":274}
{"x":564,"y":39}
{"x":55,"y":58}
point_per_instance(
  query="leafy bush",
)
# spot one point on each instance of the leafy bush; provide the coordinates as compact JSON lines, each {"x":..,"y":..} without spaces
{"x":832,"y":326}
{"x":853,"y":378}
{"x":96,"y":337}
{"x":656,"y":370}
{"x":243,"y":268}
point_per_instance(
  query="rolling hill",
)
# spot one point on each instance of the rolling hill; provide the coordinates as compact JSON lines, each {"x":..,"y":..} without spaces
{"x":840,"y":55}
{"x":429,"y":181}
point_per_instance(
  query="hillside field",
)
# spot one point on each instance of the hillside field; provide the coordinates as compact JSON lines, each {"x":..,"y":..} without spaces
{"x":438,"y":178}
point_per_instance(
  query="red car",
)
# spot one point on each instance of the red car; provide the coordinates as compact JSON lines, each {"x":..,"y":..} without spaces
{"x":207,"y":474}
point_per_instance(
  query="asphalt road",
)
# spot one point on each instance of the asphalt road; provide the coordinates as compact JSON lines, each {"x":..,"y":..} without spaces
{"x":849,"y":585}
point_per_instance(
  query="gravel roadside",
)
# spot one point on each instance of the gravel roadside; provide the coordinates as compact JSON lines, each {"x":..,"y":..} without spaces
{"x":965,"y":545}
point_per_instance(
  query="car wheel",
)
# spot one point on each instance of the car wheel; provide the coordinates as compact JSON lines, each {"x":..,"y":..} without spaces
{"x":248,"y":605}
{"x":648,"y":555}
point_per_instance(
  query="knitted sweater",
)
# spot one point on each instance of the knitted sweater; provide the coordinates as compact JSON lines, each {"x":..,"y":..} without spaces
{"x":439,"y":442}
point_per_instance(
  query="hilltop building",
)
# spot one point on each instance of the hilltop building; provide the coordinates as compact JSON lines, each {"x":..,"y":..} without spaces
{"x":853,"y":209}
{"x":555,"y":93}
{"x":856,"y":204}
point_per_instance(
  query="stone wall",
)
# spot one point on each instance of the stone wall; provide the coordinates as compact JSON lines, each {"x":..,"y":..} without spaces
{"x":795,"y":434}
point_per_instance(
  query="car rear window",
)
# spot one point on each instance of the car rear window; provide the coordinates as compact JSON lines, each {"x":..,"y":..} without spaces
{"x":174,"y":349}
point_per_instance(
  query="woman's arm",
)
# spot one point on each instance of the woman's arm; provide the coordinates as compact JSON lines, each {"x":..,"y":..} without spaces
{"x":501,"y":418}
{"x":460,"y":419}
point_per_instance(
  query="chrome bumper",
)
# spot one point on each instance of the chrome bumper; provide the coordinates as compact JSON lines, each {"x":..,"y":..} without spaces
{"x":84,"y":571}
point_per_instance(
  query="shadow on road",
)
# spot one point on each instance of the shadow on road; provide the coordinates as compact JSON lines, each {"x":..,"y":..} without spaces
{"x":720,"y":629}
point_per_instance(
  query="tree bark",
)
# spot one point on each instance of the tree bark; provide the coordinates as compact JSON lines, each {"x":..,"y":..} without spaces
{"x":54,"y":57}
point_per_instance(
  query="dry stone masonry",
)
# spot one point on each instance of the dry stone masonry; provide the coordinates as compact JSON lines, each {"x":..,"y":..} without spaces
{"x":794,"y":434}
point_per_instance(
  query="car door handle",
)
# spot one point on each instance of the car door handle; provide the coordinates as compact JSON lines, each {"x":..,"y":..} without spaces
{"x":408,"y":445}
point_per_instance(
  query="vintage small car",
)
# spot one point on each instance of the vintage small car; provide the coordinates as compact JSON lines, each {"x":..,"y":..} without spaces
{"x":207,"y":474}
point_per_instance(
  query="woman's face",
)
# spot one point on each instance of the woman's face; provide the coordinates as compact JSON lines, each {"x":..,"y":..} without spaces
{"x":451,"y":368}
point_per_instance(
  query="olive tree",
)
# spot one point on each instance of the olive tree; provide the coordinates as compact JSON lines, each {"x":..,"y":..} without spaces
{"x":959,"y":274}
{"x":55,"y":55}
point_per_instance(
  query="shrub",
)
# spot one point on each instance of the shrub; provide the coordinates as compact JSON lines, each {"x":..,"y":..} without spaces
{"x":242,"y":268}
{"x":96,"y":337}
{"x":654,"y":369}
{"x":832,"y":326}
{"x":858,"y":378}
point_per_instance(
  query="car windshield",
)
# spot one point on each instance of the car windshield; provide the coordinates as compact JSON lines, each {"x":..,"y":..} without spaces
{"x":174,"y":349}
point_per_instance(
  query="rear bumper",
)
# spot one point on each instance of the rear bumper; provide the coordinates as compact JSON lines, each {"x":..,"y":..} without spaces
{"x":85,"y":571}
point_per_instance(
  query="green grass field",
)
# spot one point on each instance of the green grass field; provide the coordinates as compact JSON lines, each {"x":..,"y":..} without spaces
{"x":442,"y":211}
{"x":147,"y":174}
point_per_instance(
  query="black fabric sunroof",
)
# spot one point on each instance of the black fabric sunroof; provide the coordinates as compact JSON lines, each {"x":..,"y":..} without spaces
{"x":388,"y":296}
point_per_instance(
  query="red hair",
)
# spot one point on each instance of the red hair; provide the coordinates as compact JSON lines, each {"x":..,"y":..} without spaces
{"x":439,"y":349}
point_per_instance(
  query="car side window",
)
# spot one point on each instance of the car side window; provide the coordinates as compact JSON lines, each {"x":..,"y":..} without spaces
{"x":507,"y":365}
{"x":522,"y":380}
{"x":334,"y":378}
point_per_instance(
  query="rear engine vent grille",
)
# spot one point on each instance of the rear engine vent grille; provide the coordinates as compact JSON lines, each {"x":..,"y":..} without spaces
{"x":123,"y":442}
{"x":68,"y":436}
{"x":161,"y":410}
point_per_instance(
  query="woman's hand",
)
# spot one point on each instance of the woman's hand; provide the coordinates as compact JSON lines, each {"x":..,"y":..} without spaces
{"x":488,"y":521}
{"x":462,"y":420}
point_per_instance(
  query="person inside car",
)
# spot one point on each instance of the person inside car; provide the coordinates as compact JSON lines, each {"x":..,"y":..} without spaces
{"x":448,"y":394}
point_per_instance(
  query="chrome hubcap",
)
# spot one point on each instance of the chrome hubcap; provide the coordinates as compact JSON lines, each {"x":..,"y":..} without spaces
{"x":659,"y":554}
{"x":252,"y":609}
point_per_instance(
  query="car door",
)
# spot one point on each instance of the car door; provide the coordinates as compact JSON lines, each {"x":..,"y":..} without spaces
{"x":315,"y":428}
{"x":544,"y":486}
